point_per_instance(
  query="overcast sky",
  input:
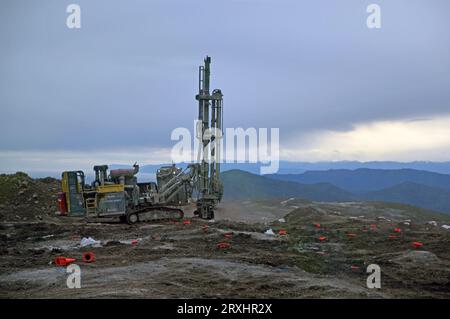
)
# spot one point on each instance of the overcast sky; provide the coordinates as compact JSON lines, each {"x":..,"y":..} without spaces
{"x":114,"y":90}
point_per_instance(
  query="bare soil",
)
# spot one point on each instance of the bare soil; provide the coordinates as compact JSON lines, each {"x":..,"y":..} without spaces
{"x":183,"y":260}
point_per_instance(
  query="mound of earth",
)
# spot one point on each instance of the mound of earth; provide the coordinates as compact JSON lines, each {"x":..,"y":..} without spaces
{"x":23,"y":198}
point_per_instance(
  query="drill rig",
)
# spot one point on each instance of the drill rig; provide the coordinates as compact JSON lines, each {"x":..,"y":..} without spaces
{"x":118,"y":193}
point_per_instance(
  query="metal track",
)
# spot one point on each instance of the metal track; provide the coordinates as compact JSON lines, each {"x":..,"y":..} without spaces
{"x":154,"y":213}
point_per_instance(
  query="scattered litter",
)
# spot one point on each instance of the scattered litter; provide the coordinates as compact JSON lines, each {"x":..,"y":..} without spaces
{"x":287,"y":201}
{"x":269,"y":232}
{"x":417,"y":244}
{"x":186,"y":222}
{"x":223,"y":245}
{"x":89,"y":241}
{"x":351,"y":235}
{"x":228,"y":235}
{"x":397,"y":230}
{"x":134,"y":241}
{"x":373,"y":227}
{"x":282,"y":232}
{"x":88,"y":257}
{"x":63,"y":261}
{"x":322,"y":238}
{"x":446,"y":227}
{"x":282,"y":220}
{"x":354,"y":267}
{"x":407,"y":223}
{"x":432,"y":223}
{"x":317,"y":225}
{"x":48,"y":236}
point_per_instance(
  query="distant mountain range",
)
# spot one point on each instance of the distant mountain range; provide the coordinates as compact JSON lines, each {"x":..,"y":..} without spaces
{"x":414,"y":194}
{"x":365,"y":180}
{"x":244,"y":185}
{"x":287,"y":167}
{"x":420,"y":188}
{"x":147,"y":172}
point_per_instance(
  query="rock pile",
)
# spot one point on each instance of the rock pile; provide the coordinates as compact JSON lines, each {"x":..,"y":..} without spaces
{"x":23,"y":198}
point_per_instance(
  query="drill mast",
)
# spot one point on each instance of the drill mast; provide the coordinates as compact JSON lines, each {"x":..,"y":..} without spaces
{"x":209,"y":130}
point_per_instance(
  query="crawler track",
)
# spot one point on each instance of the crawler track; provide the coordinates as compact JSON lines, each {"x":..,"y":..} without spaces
{"x":153,"y":213}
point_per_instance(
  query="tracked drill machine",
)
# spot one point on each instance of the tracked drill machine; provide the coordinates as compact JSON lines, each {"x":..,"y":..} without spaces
{"x":209,"y":132}
{"x":117,"y":193}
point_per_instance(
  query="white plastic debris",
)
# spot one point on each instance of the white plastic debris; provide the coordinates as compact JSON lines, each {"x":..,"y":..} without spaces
{"x":407,"y":223}
{"x":282,"y":220}
{"x":432,"y":223}
{"x":89,"y":241}
{"x":269,"y":232}
{"x":287,"y":201}
{"x":446,"y":227}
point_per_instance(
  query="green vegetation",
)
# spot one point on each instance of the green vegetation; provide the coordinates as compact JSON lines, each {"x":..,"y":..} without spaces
{"x":240,"y":185}
{"x":243,"y":185}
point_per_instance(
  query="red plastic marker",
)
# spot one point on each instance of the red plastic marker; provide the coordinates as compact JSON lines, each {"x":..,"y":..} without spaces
{"x":223,"y":245}
{"x":63,"y":261}
{"x":322,"y":238}
{"x":88,"y":257}
{"x":228,"y":235}
{"x":186,"y":222}
{"x":317,"y":225}
{"x":282,"y":232}
{"x":397,"y":230}
{"x":417,"y":244}
{"x":351,"y":235}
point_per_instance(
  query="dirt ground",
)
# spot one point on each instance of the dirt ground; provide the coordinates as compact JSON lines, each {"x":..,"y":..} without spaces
{"x":178,"y":260}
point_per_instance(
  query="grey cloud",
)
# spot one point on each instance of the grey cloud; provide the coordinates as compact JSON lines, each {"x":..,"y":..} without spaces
{"x":129,"y":76}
